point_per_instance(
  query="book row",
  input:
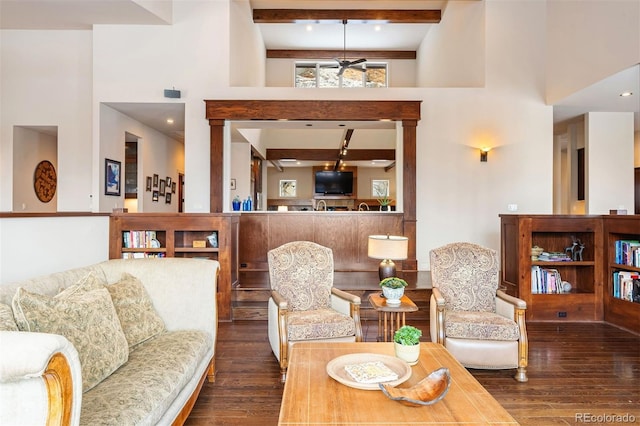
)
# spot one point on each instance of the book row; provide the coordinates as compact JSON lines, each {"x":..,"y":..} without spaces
{"x":547,"y":281}
{"x":627,"y":252}
{"x":141,"y":255}
{"x":140,"y":239}
{"x":626,"y":286}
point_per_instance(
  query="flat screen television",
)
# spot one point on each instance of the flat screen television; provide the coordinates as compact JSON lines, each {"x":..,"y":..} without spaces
{"x":336,"y":183}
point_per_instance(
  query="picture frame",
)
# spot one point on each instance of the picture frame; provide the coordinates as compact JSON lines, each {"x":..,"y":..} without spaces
{"x":168,"y":181}
{"x":112,"y":177}
{"x":163,"y":185}
{"x":148,"y":183}
{"x":233,"y":184}
{"x":173,"y":187}
{"x":155,"y":180}
{"x":288,"y":187}
{"x":154,"y":195}
{"x":167,"y":199}
{"x":379,"y":188}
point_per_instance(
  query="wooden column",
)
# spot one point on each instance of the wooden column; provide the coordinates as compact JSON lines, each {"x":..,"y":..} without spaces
{"x":409,"y":190}
{"x":215,"y":165}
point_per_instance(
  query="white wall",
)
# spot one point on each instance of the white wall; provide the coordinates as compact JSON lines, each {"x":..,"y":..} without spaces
{"x":30,"y":147}
{"x":582,"y":50}
{"x":453,"y":53}
{"x":247,"y":67}
{"x":35,"y":246}
{"x":45,"y":78}
{"x":609,"y":162}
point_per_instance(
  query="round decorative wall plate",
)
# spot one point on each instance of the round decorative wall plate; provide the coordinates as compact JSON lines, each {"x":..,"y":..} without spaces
{"x":45,"y":181}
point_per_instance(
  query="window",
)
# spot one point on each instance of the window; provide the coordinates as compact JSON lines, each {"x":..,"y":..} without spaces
{"x":325,"y":74}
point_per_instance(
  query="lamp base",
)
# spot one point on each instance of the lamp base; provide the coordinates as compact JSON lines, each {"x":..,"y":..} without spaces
{"x":386,"y":269}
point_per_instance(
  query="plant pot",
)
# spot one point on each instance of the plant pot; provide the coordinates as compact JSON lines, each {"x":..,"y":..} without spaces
{"x":410,"y":354}
{"x":393,"y":295}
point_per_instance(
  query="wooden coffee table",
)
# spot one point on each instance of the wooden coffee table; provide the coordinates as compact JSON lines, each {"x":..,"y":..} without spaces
{"x":312,"y":397}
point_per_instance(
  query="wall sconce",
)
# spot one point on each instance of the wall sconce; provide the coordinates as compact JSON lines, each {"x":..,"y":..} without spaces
{"x":484,"y":154}
{"x":387,"y":247}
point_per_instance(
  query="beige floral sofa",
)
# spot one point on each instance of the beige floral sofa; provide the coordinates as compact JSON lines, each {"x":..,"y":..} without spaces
{"x":122,"y":342}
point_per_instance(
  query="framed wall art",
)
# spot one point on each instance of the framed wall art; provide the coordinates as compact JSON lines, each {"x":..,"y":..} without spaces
{"x":148,"y":183}
{"x":162,"y":186}
{"x":112,"y":174}
{"x":288,"y":188}
{"x":379,"y":188}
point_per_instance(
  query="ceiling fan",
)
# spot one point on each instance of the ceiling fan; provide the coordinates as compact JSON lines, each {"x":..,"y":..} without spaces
{"x":344,"y":63}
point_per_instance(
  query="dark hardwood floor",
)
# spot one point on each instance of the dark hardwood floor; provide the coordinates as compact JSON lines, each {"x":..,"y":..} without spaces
{"x":578,"y":373}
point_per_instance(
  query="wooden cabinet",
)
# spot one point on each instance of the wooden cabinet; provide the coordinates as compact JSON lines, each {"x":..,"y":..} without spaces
{"x":554,"y":233}
{"x":181,"y":235}
{"x":623,"y":313}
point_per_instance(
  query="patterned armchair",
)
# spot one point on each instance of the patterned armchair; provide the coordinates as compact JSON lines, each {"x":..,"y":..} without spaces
{"x":304,"y":305}
{"x":481,"y":326}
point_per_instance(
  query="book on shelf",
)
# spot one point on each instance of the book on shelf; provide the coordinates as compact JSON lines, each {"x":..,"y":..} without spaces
{"x":141,"y":255}
{"x":546,"y":281}
{"x":139,"y":239}
{"x":627,"y":252}
{"x":554,"y":256}
{"x":626,"y":286}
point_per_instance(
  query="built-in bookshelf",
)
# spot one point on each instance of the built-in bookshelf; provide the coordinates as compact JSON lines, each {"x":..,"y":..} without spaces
{"x":194,"y":235}
{"x":622,"y":257}
{"x":565,"y":285}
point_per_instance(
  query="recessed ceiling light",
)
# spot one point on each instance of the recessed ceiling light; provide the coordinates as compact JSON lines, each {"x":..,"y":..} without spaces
{"x":625,"y":94}
{"x":170,"y":120}
{"x":377,"y":28}
{"x":309,"y":27}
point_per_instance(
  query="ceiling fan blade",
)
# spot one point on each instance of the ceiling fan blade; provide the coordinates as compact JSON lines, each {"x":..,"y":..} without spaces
{"x":358,"y":61}
{"x":341,"y":71}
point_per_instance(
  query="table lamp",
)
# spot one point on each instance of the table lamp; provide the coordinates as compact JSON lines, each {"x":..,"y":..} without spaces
{"x":387,"y":247}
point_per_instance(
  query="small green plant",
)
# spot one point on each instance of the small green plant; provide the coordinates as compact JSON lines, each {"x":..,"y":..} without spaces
{"x":384,"y":201}
{"x":393,"y":282}
{"x":407,"y":335}
{"x":236,"y":198}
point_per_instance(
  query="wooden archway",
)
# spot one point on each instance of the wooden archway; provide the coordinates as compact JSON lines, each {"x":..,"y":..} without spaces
{"x":408,"y":112}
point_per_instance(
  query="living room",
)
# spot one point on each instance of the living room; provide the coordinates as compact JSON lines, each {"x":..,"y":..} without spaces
{"x":489,"y":74}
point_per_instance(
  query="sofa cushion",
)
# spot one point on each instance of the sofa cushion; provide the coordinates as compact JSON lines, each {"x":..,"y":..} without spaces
{"x":140,"y":391}
{"x":7,"y":323}
{"x":90,"y":281}
{"x":87,"y":319}
{"x":319,"y":324}
{"x":480,"y":325}
{"x":138,"y":318}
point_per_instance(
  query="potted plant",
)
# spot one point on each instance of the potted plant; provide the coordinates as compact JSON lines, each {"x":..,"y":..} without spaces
{"x":384,"y":203}
{"x":406,"y":342}
{"x":393,"y":289}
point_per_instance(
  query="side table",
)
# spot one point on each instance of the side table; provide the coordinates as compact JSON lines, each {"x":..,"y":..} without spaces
{"x":390,"y":317}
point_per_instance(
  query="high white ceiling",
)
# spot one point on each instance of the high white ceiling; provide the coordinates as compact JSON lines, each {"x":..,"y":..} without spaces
{"x":82,"y":14}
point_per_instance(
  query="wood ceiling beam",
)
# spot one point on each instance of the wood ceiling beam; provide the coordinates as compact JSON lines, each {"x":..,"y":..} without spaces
{"x":331,"y":54}
{"x":330,"y":154}
{"x":391,"y":16}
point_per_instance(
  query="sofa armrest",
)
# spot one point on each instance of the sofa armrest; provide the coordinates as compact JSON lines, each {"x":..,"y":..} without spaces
{"x":347,"y":304}
{"x":40,"y":379}
{"x":436,"y":316}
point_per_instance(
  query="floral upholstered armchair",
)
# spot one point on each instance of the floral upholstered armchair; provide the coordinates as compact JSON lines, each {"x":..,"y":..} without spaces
{"x":481,"y":326}
{"x":304,"y":305}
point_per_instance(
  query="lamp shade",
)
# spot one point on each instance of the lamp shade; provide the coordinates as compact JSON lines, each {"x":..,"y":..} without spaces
{"x":388,"y":247}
